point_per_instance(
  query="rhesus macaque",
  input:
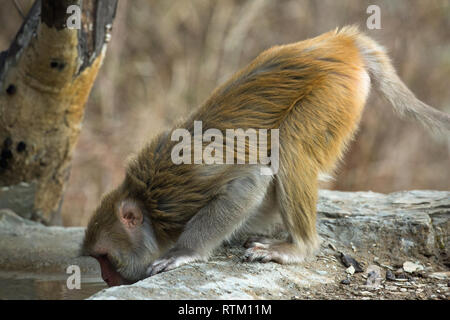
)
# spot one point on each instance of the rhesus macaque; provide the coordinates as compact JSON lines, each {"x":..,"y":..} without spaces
{"x":165,"y":215}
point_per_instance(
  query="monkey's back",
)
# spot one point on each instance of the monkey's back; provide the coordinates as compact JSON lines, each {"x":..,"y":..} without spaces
{"x":313,"y":91}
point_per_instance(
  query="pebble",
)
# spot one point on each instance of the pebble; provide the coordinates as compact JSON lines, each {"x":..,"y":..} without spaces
{"x":440,"y":275}
{"x":332,"y":247}
{"x":349,"y":261}
{"x":374,"y":276}
{"x":398,"y":293}
{"x":400,"y":280}
{"x":403,"y":277}
{"x":350,"y":270}
{"x":390,"y":275}
{"x":391,"y":288}
{"x":399,"y":271}
{"x":403,"y":290}
{"x":411,"y":267}
{"x":345,"y":281}
{"x":386,"y":266}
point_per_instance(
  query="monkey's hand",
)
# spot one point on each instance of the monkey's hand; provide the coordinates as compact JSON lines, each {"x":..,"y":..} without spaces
{"x":173,"y":259}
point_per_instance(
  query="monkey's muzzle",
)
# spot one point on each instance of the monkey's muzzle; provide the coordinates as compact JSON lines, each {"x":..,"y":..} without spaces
{"x":109,"y":274}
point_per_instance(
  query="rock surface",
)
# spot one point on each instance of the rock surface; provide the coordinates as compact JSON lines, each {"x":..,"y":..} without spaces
{"x":372,"y":228}
{"x":19,"y":198}
{"x":30,"y":247}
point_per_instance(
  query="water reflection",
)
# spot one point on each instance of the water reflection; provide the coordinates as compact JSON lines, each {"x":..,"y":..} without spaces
{"x":47,"y":289}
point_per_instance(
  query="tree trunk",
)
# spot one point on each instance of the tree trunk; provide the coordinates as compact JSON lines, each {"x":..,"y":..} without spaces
{"x":45,"y":79}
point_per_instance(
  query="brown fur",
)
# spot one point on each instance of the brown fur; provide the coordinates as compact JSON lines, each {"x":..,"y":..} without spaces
{"x":313,"y":91}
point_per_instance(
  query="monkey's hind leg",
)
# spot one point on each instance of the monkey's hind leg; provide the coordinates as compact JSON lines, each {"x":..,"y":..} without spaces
{"x":297,"y":204}
{"x":217,"y":221}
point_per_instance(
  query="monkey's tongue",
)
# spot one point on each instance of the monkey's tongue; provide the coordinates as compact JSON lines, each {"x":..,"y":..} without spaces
{"x":109,"y":275}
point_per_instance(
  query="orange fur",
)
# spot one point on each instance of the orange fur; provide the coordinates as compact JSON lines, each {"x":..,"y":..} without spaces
{"x":314,"y":92}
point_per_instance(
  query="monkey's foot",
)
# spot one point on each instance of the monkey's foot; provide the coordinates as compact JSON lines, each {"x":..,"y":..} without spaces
{"x":171,"y":260}
{"x":273,"y":250}
{"x":259,"y":241}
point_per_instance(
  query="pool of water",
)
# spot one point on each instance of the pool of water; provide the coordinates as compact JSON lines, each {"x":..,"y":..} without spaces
{"x":47,"y":288}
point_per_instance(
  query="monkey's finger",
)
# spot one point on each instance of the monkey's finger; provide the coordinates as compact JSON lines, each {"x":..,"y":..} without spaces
{"x":254,"y":244}
{"x":256,"y":254}
{"x":159,"y":266}
{"x":259,"y":241}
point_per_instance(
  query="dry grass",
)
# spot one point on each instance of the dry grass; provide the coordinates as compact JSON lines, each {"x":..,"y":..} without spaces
{"x":166,"y":57}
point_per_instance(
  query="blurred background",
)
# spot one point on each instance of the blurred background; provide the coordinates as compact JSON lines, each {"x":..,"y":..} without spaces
{"x":166,"y":56}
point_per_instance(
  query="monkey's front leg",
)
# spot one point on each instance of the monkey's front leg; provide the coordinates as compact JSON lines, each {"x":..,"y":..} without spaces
{"x":174,"y":258}
{"x":215,"y":222}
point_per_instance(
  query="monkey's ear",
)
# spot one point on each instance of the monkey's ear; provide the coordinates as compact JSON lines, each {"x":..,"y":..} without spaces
{"x":130,"y":215}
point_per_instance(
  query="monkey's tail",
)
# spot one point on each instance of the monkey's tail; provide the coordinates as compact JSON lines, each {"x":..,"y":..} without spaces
{"x":392,"y":87}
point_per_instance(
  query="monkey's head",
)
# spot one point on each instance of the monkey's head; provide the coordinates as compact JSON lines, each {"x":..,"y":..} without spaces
{"x":120,"y":236}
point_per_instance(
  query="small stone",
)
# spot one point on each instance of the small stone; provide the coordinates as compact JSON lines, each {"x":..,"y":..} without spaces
{"x":386,"y":266}
{"x":440,"y":275}
{"x":390,"y":275}
{"x":350,"y":270}
{"x":403,"y":290}
{"x":349,"y":261}
{"x":345,"y":281}
{"x":399,"y":271}
{"x":391,"y":288}
{"x":400,"y":280}
{"x":332,"y":247}
{"x":374,"y":276}
{"x":403,"y":277}
{"x":433,"y":296}
{"x":411,"y":267}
